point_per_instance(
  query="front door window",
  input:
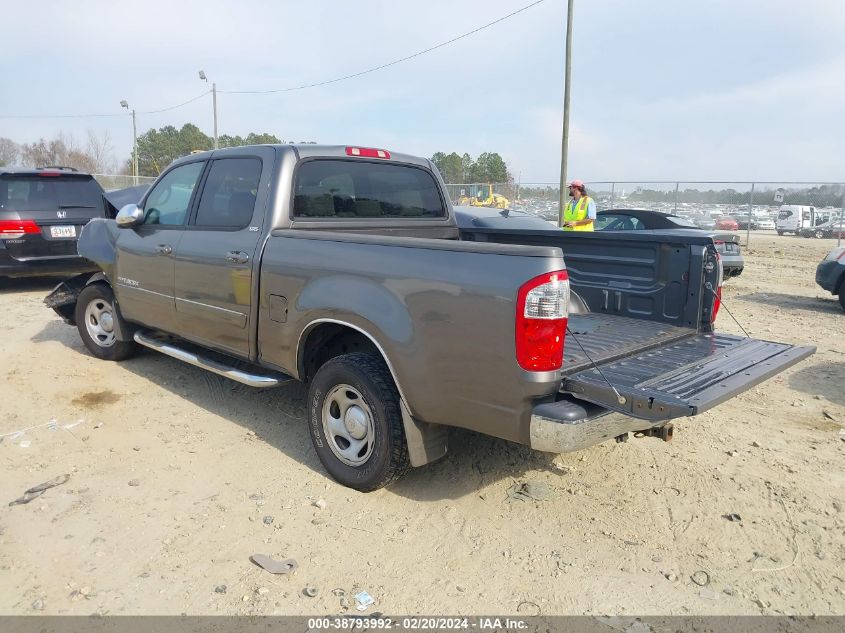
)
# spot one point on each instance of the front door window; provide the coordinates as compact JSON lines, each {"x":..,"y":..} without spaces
{"x":168,"y":202}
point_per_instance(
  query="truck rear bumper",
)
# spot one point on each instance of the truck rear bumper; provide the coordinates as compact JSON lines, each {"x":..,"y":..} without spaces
{"x":571,"y":425}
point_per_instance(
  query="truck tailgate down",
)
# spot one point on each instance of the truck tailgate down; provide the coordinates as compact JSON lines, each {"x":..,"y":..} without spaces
{"x":674,"y":373}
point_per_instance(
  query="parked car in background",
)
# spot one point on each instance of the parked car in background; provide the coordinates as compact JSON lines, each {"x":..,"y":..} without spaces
{"x":830,"y":273}
{"x":42,"y":211}
{"x":765,"y":224}
{"x":644,"y":219}
{"x":703,"y":222}
{"x":831,"y":228}
{"x":743,"y":222}
{"x":491,"y":218}
{"x":727,"y":223}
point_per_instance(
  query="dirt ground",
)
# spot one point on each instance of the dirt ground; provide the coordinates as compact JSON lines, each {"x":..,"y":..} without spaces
{"x":178,"y":476}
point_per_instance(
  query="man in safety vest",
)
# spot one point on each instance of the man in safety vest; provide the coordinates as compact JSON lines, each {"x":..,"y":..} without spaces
{"x":580,"y":212}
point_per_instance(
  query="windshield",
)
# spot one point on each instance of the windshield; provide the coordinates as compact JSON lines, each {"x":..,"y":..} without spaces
{"x":43,"y":193}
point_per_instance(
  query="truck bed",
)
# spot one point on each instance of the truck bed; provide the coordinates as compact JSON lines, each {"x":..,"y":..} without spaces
{"x":608,"y":337}
{"x":664,"y":373}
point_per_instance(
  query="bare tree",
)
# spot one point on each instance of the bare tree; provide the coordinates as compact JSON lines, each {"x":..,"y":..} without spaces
{"x":9,"y":151}
{"x":59,"y":151}
{"x":100,"y":151}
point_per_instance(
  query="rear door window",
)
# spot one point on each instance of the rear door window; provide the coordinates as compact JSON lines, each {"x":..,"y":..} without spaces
{"x":336,"y":189}
{"x":228,"y":197}
{"x":25,"y":193}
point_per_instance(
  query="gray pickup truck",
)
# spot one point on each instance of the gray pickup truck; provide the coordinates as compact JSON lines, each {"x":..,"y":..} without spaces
{"x":343,"y":267}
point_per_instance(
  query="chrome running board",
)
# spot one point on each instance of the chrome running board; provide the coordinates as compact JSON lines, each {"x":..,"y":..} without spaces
{"x":216,"y":367}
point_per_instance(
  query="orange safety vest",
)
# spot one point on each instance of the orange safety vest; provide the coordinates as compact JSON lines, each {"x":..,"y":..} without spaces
{"x":575,"y":213}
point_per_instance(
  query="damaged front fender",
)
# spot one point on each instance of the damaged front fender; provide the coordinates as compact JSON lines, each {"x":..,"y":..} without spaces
{"x":98,"y":243}
{"x":63,"y":297}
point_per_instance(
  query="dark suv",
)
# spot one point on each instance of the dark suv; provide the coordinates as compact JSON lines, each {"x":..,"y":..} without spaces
{"x":42,"y":211}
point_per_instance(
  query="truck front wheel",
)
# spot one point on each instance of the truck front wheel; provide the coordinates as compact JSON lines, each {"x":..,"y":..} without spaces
{"x":355,"y":422}
{"x":96,"y":321}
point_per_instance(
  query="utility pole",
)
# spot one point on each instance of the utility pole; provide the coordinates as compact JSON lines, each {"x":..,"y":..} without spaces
{"x":125,"y":104}
{"x":134,"y":149}
{"x":203,"y":77}
{"x":214,"y":99}
{"x":565,"y":139}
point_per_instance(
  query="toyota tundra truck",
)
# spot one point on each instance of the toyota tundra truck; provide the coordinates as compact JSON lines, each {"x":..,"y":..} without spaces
{"x":343,"y":267}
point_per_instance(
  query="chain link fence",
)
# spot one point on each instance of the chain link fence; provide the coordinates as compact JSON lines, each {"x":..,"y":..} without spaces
{"x":754,"y":206}
{"x":110,"y":182}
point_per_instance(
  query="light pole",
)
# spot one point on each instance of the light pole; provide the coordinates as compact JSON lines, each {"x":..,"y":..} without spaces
{"x":564,"y":145}
{"x":124,"y":104}
{"x":214,"y":100}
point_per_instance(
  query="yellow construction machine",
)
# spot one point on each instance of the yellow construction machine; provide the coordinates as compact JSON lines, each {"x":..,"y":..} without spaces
{"x":483,"y":196}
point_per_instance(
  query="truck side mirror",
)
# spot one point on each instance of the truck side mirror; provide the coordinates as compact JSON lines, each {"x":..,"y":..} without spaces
{"x":131,"y":215}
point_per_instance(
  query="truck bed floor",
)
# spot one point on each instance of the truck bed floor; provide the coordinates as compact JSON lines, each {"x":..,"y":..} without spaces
{"x":608,"y":337}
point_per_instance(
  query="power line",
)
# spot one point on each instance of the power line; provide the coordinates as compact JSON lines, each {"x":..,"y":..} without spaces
{"x":90,"y":116}
{"x":58,"y":116}
{"x":388,"y":64}
{"x":200,"y":96}
{"x":291,"y":89}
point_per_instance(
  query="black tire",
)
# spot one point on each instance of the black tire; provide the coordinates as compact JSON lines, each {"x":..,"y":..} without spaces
{"x":372,"y":402}
{"x":96,"y":327}
{"x":819,"y":234}
{"x":780,"y":232}
{"x":842,"y":298}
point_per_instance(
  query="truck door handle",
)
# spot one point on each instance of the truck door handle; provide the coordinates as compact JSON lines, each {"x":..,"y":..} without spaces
{"x":238,"y":257}
{"x":164,"y":249}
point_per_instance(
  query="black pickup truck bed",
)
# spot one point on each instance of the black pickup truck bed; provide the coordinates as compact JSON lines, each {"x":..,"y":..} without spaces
{"x":607,"y":337}
{"x":641,"y":323}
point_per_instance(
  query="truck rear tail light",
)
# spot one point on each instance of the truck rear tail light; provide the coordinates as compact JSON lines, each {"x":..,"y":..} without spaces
{"x":14,"y":229}
{"x":542,"y":310}
{"x":367,"y":152}
{"x":717,"y":301}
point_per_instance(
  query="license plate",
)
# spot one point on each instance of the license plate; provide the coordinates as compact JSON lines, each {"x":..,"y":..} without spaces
{"x":63,"y":231}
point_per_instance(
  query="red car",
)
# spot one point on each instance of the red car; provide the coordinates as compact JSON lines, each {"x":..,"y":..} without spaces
{"x":727,"y":224}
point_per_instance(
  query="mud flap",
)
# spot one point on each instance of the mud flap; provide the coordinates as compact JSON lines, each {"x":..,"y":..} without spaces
{"x":426,"y":442}
{"x":685,"y":377}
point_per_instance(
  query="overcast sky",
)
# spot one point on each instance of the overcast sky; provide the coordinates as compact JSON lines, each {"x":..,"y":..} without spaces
{"x":662,"y":89}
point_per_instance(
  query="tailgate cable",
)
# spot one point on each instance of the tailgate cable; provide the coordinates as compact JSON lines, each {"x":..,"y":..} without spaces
{"x":709,"y":286}
{"x":619,"y":397}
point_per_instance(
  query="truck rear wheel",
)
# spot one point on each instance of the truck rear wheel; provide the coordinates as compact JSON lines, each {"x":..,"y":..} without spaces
{"x":96,"y":319}
{"x":355,"y":422}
